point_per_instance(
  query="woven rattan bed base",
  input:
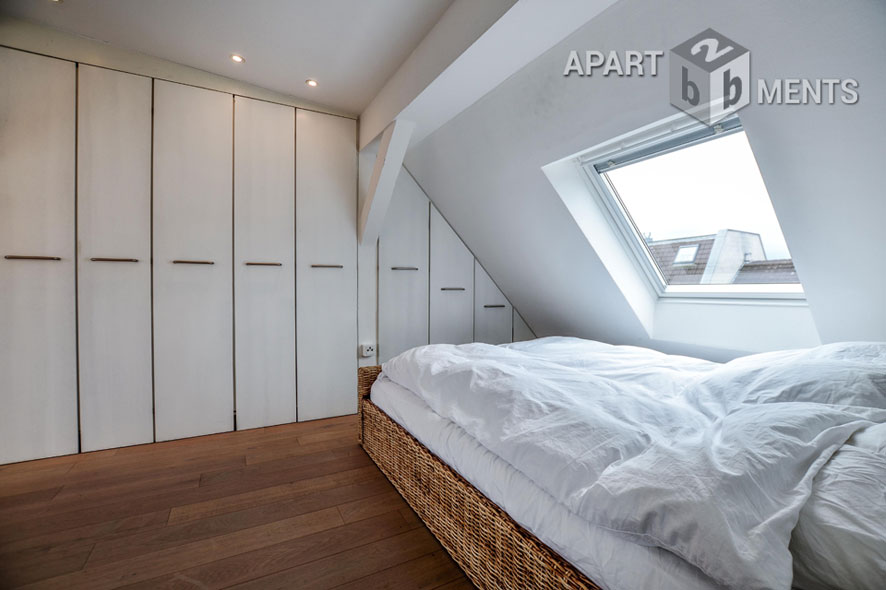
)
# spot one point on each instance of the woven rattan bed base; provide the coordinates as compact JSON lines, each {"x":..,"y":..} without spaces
{"x":492,"y":549}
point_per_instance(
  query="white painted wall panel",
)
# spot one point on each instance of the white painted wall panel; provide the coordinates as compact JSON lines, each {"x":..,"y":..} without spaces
{"x":193,"y":303}
{"x":38,"y":372}
{"x":367,"y":303}
{"x":713,"y":324}
{"x":326,"y":264}
{"x":403,"y":271}
{"x":492,"y":311}
{"x":264,"y":262}
{"x":114,"y":222}
{"x":367,"y":262}
{"x":452,"y":285}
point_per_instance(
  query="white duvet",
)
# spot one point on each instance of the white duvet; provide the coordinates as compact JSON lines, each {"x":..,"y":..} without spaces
{"x":711,"y":462}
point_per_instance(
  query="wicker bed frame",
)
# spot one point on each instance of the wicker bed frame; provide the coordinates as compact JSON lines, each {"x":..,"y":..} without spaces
{"x":492,"y":549}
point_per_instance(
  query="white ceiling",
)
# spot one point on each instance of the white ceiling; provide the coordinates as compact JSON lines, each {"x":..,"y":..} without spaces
{"x":350,"y":46}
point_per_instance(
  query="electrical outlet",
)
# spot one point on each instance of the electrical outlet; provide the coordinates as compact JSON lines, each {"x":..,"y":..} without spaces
{"x":367,"y":350}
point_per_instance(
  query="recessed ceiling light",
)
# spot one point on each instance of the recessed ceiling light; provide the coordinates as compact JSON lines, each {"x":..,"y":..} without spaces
{"x":311,"y":82}
{"x":238,"y":58}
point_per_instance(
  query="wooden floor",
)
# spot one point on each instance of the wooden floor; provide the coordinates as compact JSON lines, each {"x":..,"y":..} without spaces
{"x":295,"y":506}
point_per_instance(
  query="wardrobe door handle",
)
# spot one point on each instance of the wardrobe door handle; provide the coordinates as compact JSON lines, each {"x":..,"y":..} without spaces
{"x":404,"y":268}
{"x":193,"y":262}
{"x":327,"y":266}
{"x":492,"y":306}
{"x":264,"y":264}
{"x":114,"y":259}
{"x":17,"y":257}
{"x":452,"y":288}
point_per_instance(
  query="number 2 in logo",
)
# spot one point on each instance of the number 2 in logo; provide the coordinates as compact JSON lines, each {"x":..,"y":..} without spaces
{"x":713,"y":52}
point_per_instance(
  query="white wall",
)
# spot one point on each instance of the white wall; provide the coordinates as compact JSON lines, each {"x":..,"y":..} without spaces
{"x":766,"y":325}
{"x":822,"y":164}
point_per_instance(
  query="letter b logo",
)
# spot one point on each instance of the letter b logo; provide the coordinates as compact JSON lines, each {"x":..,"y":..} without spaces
{"x":690,"y":89}
{"x":710,"y":76}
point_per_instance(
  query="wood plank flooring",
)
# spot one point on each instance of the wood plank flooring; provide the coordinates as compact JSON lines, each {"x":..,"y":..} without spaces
{"x":293,"y":506}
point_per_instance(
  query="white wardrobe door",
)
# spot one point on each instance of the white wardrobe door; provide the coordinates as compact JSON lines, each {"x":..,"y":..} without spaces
{"x":403,"y":271}
{"x":492,"y":311}
{"x":264,"y":262}
{"x":193,"y":291}
{"x":326,"y":264}
{"x":452,"y":285}
{"x":38,"y":370}
{"x":522,"y":331}
{"x":114,"y":280}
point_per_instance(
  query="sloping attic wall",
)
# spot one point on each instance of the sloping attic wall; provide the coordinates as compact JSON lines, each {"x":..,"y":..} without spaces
{"x":823,"y":165}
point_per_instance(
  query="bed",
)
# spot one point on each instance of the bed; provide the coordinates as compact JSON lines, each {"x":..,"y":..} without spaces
{"x":495,"y":552}
{"x":502,"y":527}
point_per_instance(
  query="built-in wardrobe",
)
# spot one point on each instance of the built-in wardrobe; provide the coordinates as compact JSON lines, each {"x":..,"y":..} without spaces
{"x":38,"y":284}
{"x":431,"y":288}
{"x":114,"y":128}
{"x":174,"y":260}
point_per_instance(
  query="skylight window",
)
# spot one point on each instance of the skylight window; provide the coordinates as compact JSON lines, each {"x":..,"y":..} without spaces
{"x":686,"y":254}
{"x":693,"y":207}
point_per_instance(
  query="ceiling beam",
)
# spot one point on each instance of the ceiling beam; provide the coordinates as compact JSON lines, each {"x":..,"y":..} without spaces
{"x":459,"y":27}
{"x":380,"y":187}
{"x":513,"y":35}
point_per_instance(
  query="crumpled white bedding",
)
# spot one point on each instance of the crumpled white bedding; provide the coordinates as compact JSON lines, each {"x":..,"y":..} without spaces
{"x":710,"y":462}
{"x":610,"y":561}
{"x":840,"y":539}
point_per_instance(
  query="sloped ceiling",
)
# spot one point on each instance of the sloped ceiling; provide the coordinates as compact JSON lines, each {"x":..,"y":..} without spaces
{"x":822,"y":164}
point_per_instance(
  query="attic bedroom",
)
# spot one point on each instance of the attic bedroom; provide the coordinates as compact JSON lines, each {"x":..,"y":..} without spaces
{"x":442,"y":294}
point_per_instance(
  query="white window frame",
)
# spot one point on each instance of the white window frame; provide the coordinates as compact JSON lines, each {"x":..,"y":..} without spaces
{"x":664,"y":136}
